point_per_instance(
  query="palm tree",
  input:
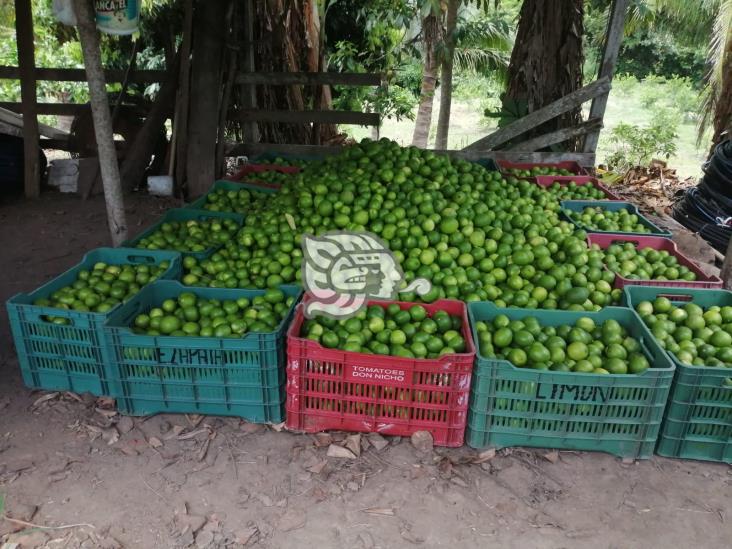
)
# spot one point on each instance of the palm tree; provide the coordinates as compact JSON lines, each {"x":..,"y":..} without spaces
{"x":482,"y":46}
{"x":546,"y":63}
{"x":431,"y":36}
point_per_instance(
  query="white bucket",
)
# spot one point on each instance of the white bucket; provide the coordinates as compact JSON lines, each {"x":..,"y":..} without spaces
{"x":160,"y":185}
{"x":117,"y":16}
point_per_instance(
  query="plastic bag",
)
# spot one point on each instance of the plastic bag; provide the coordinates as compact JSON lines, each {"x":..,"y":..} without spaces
{"x":63,"y":10}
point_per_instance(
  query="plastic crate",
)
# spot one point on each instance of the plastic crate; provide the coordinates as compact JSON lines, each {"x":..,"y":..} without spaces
{"x":505,"y":165}
{"x":564,"y":180}
{"x":610,"y":206}
{"x":698,"y":422}
{"x":203,"y":375}
{"x":222,"y":184}
{"x":334,"y":389}
{"x":247,"y":170}
{"x":657,"y":243}
{"x":71,"y":357}
{"x":187,"y":214}
{"x":617,"y":414}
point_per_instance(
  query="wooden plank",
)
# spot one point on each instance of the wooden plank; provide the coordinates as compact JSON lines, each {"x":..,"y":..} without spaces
{"x":67,"y":109}
{"x":552,"y":110}
{"x":14,"y":119}
{"x":611,"y":50}
{"x":78,"y":75}
{"x":304,"y":117}
{"x":310,"y":78}
{"x":249,"y":91}
{"x":254,"y":149}
{"x":557,"y":136}
{"x":10,"y":129}
{"x":26,"y":61}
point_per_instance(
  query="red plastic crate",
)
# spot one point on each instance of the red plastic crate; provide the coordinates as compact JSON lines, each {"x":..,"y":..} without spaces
{"x":249,"y":169}
{"x":564,"y":180}
{"x":341,"y":390}
{"x":570,"y":165}
{"x":657,"y":243}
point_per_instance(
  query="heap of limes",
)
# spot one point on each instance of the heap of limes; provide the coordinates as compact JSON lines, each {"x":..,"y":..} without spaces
{"x":695,"y":335}
{"x":537,"y":170}
{"x":584,"y":347}
{"x":189,"y":315}
{"x":573,"y":191}
{"x":190,"y":236}
{"x":272,"y":177}
{"x":600,"y":219}
{"x":645,"y":263}
{"x":472,"y":234}
{"x":390,"y":330}
{"x":238,"y":201}
{"x":102,"y":287}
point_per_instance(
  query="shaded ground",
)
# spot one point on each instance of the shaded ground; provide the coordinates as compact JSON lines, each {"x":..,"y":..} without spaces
{"x":175,"y":481}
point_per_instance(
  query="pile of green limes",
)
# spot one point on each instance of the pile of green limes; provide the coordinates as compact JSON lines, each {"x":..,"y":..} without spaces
{"x":599,"y":219}
{"x":696,"y":336}
{"x":645,"y":263}
{"x":537,"y":170}
{"x":102,"y":288}
{"x":239,"y":201}
{"x":390,"y":330}
{"x":189,"y":315}
{"x":583,"y":348}
{"x":190,"y":236}
{"x":573,"y":191}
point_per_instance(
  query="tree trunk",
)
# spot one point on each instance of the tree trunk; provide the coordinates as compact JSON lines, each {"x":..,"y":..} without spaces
{"x":208,"y":42}
{"x":152,"y":133}
{"x":723,"y":104}
{"x":431,"y":34}
{"x":443,"y":120}
{"x":89,"y":38}
{"x":546,"y":63}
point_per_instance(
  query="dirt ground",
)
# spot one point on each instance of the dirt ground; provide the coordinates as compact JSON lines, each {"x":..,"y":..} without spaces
{"x":96,"y":479}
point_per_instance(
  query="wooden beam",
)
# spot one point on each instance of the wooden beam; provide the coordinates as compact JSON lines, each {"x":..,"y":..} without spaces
{"x":254,"y":149}
{"x":27,"y":70}
{"x":67,"y":109}
{"x":557,"y":136}
{"x":611,"y":50}
{"x":11,"y":118}
{"x":304,"y":117}
{"x":249,"y":91}
{"x":531,"y":120}
{"x":78,"y":75}
{"x":180,"y":124}
{"x":310,"y":78}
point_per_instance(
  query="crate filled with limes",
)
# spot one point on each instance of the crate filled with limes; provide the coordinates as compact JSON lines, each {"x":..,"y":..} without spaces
{"x":196,"y":233}
{"x":568,"y":380}
{"x":58,"y":328}
{"x":694,"y":326}
{"x":575,"y":187}
{"x":393,"y":368}
{"x":610,"y":216}
{"x":202,"y":350}
{"x":230,"y":196}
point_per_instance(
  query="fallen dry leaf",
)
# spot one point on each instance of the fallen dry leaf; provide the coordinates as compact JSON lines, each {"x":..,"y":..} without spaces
{"x":552,"y":456}
{"x":154,"y":442}
{"x":336,"y":451}
{"x":381,"y":511}
{"x":322,"y":440}
{"x":278,"y":426}
{"x":353,"y":443}
{"x":484,"y":456}
{"x":44,"y":398}
{"x":423,"y":441}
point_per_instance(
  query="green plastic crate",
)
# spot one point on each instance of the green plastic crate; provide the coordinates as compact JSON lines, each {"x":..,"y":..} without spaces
{"x":617,"y":414}
{"x":698,"y":422}
{"x":71,"y":357}
{"x":611,"y":206}
{"x":203,"y":375}
{"x":186,"y":214}
{"x":225,"y":185}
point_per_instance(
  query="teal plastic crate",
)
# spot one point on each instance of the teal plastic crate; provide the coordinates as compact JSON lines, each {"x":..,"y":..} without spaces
{"x":225,"y":185}
{"x":186,"y":214}
{"x":71,"y":357}
{"x":698,"y":422}
{"x":611,"y":206}
{"x":204,"y":375}
{"x":617,"y":414}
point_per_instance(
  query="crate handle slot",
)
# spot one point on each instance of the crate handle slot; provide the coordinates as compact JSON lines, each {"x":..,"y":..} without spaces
{"x":618,"y":241}
{"x":140,"y":259}
{"x":676,"y":297}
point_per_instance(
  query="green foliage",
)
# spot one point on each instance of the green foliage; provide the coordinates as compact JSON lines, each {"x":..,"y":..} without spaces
{"x":634,"y":145}
{"x":676,"y":94}
{"x":649,"y":53}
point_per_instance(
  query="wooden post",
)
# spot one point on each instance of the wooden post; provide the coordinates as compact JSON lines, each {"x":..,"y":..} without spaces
{"x":208,"y":42}
{"x":610,"y":52}
{"x":182,"y":101}
{"x":89,"y":38}
{"x":249,"y":91}
{"x":726,"y":273}
{"x":27,"y":66}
